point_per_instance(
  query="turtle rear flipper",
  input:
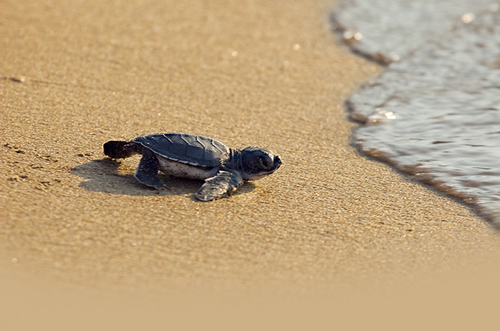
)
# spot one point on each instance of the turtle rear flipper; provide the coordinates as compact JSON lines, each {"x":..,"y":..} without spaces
{"x":224,"y":183}
{"x":117,"y":149}
{"x":147,"y":170}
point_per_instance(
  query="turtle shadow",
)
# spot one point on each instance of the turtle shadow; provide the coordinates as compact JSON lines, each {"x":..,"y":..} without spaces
{"x":103,"y":176}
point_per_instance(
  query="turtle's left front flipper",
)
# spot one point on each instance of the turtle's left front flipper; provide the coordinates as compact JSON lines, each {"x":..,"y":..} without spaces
{"x":224,"y":183}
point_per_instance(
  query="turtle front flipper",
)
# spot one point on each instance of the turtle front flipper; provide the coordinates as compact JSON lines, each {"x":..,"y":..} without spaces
{"x":222,"y":184}
{"x":147,"y":170}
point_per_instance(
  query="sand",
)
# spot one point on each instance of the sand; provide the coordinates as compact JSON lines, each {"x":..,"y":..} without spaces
{"x":271,"y":74}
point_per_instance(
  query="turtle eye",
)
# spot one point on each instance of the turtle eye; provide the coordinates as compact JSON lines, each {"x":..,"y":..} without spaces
{"x":266,"y":162}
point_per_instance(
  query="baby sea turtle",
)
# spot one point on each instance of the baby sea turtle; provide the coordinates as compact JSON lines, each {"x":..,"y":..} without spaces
{"x":189,"y":156}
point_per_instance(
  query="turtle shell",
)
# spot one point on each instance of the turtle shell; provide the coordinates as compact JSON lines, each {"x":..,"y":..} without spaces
{"x":185,"y":148}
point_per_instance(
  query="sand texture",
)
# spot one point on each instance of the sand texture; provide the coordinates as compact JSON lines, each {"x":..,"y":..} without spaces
{"x":266,"y":73}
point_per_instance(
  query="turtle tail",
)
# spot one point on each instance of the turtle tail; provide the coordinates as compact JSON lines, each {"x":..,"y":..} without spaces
{"x":117,"y":149}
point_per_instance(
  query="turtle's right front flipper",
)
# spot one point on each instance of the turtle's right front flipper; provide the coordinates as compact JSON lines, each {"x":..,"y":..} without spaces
{"x":224,"y":183}
{"x":147,"y":170}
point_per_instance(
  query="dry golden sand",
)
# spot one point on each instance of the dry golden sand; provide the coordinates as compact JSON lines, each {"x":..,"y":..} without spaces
{"x":265,"y":73}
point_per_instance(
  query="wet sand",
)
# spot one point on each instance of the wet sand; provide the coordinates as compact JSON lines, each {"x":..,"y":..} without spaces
{"x":257,"y":73}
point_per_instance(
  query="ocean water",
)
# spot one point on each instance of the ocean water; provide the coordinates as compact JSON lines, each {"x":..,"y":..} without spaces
{"x":434,"y":113}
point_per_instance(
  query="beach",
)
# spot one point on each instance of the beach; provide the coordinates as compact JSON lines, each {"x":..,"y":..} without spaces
{"x":270,"y":74}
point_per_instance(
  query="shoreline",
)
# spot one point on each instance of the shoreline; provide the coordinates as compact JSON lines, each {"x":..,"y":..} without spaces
{"x":327,"y":220}
{"x":431,"y":124}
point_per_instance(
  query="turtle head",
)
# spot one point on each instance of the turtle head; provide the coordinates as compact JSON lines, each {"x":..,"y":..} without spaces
{"x":258,"y":162}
